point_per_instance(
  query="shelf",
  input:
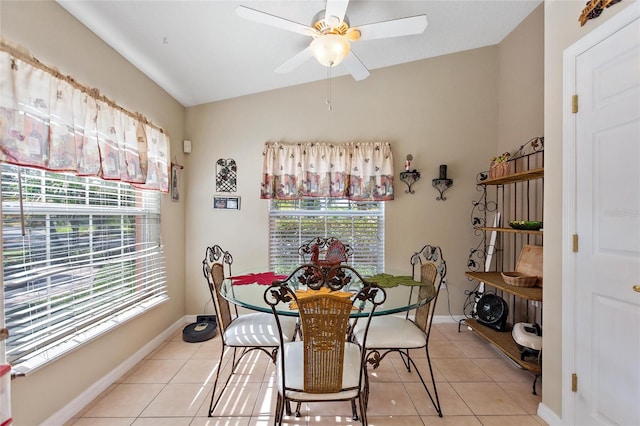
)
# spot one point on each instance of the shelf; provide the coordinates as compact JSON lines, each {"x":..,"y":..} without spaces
{"x":494,"y":279}
{"x":516,"y":177}
{"x":410,"y":177}
{"x":441,"y":185}
{"x":513,"y":231}
{"x":504,"y":342}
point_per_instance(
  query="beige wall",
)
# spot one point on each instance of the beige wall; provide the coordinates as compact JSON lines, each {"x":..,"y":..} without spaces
{"x":57,"y":39}
{"x":443,"y":111}
{"x":521,"y":83}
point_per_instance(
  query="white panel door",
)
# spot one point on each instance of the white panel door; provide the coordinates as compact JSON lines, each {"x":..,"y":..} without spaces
{"x":607,"y":306}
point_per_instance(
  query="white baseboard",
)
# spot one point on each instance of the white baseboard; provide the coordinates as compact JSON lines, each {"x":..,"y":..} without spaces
{"x":549,"y":416}
{"x":67,"y":412}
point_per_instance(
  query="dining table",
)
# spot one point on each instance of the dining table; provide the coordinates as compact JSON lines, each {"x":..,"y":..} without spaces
{"x":248,"y":290}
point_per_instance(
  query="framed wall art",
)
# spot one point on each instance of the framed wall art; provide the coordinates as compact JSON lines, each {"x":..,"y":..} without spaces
{"x":226,"y":175}
{"x":226,"y":203}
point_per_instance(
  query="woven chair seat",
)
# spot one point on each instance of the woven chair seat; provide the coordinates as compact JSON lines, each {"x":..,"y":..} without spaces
{"x":258,"y":329}
{"x":294,"y":361}
{"x":391,"y":332}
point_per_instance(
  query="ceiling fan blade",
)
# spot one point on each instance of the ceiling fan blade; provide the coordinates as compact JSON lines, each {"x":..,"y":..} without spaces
{"x":355,"y":67}
{"x":275,"y":21}
{"x":337,"y":8}
{"x":393,"y":28}
{"x":294,"y":62}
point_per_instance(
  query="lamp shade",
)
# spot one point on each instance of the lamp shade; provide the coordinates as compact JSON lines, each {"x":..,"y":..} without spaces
{"x":330,"y":49}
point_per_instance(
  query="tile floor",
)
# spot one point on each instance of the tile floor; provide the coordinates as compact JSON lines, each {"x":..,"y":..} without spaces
{"x":172,"y":386}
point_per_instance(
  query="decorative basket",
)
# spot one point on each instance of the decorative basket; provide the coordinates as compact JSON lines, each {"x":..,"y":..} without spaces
{"x":530,"y":262}
{"x":499,"y":170}
{"x":518,"y":279}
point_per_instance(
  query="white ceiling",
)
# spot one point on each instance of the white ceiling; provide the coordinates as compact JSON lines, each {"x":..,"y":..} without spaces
{"x":201,"y":51}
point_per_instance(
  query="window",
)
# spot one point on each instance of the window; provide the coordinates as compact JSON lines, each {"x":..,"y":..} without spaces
{"x":357,"y":223}
{"x":80,"y":256}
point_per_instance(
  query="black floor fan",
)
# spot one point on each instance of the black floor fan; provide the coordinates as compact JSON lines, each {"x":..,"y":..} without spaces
{"x":492,"y":312}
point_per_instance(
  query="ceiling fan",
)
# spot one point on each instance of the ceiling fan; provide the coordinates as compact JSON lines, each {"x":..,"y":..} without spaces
{"x":332,"y":35}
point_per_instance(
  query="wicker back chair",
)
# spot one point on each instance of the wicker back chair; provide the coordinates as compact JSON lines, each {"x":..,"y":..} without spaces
{"x":249,"y":332}
{"x":325,"y":365}
{"x":325,"y":321}
{"x":400,"y":335}
{"x":222,"y":307}
{"x":428,"y":274}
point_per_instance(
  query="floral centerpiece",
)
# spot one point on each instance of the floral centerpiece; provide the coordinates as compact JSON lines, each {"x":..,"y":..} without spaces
{"x":499,"y":166}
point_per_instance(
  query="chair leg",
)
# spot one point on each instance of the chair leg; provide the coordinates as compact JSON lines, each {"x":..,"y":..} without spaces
{"x":407,"y":364}
{"x":212,"y":405}
{"x":436,"y":401}
{"x":297,"y":409}
{"x":366,"y":387}
{"x":279,"y":410}
{"x":363,"y":410}
{"x":354,"y":410}
{"x":234,"y":365}
{"x":409,"y":361}
{"x":433,"y":382}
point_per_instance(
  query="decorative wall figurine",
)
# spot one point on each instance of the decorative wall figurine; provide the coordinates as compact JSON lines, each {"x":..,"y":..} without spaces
{"x":594,"y":8}
{"x":175,"y":182}
{"x":226,"y":174}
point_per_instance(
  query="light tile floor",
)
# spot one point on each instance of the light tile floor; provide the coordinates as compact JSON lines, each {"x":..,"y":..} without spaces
{"x":172,"y":386}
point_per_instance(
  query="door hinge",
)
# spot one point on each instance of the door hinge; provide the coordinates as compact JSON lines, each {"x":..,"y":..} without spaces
{"x":575,"y":243}
{"x":574,"y":382}
{"x":574,"y":104}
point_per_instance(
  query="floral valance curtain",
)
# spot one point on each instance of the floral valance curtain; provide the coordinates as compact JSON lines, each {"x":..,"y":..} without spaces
{"x":51,"y":122}
{"x":357,"y":171}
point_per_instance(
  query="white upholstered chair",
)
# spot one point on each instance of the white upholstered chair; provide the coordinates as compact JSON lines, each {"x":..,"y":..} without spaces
{"x":325,"y":365}
{"x":248,"y":332}
{"x":388,"y":334}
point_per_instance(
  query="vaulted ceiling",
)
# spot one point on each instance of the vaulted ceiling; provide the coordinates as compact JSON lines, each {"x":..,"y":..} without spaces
{"x":202,"y":51}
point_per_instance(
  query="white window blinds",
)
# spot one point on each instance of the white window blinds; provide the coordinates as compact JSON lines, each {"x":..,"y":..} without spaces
{"x":80,"y":256}
{"x":357,"y":223}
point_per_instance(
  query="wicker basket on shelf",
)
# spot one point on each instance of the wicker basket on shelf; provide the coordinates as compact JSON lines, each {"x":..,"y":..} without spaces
{"x":518,"y":279}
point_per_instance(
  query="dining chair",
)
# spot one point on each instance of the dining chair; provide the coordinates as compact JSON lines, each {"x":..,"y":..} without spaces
{"x":325,"y":365}
{"x":334,"y":253}
{"x":247,"y":332}
{"x":334,"y":250}
{"x":394,"y":334}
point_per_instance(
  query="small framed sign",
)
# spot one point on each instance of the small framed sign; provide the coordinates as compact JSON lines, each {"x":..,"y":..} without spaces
{"x":226,"y":203}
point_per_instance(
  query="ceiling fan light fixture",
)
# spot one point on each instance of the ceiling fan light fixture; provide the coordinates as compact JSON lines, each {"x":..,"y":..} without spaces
{"x":330,"y":49}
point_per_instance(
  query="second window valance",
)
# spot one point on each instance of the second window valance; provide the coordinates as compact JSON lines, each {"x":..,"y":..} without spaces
{"x":360,"y":171}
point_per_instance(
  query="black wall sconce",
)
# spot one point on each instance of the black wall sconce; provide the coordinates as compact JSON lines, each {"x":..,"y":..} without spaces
{"x":409,"y":176}
{"x":441,"y":184}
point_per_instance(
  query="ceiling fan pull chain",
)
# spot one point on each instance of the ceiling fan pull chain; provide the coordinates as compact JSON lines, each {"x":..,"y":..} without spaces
{"x":328,"y":101}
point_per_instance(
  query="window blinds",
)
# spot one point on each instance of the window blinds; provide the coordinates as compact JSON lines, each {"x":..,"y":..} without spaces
{"x":80,"y":256}
{"x":357,"y":223}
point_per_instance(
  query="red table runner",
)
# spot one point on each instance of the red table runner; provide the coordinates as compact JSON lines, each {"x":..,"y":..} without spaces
{"x":264,"y":278}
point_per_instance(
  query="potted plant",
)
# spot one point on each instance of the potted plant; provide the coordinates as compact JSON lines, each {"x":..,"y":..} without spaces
{"x":499,"y":166}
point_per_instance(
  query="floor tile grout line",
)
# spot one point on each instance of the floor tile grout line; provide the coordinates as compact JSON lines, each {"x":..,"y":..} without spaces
{"x":265,"y":379}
